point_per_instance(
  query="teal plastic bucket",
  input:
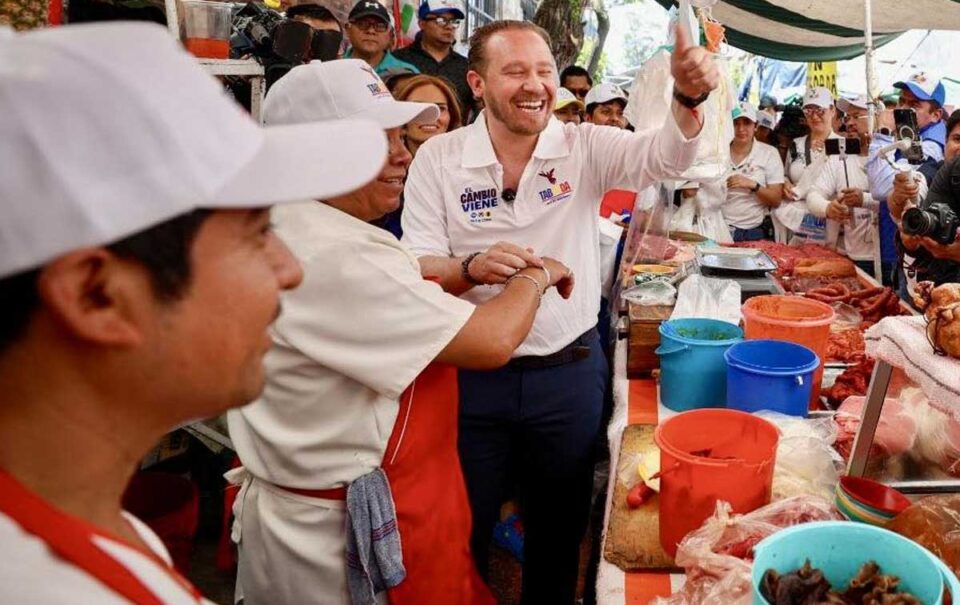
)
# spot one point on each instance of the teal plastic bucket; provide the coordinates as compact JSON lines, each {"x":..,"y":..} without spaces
{"x":840,"y":548}
{"x":693,"y":372}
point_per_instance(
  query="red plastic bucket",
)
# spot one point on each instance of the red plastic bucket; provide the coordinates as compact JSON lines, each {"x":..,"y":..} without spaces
{"x":794,"y":319}
{"x":709,"y":455}
{"x":170,"y":505}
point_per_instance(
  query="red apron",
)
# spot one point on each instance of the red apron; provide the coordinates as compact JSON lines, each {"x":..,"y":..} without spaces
{"x":71,"y":539}
{"x":433,"y":512}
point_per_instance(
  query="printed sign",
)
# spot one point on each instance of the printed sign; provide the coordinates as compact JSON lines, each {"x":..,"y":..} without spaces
{"x":823,"y":73}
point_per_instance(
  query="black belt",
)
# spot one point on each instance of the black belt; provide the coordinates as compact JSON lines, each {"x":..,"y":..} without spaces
{"x":578,"y":350}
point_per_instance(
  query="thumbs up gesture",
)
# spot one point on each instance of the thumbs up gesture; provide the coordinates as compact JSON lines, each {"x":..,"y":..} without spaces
{"x":692,"y":67}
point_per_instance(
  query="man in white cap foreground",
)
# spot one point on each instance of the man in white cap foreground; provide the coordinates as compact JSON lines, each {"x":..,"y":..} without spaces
{"x":755,"y":185}
{"x":568,"y":108}
{"x":138,"y":277}
{"x":605,"y":104}
{"x":360,"y":408}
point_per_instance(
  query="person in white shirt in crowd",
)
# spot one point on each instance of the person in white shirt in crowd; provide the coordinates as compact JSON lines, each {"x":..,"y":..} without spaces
{"x":806,"y":155}
{"x":138,"y":278}
{"x":535,"y":422}
{"x":701,"y":210}
{"x":568,"y":108}
{"x":755,"y":185}
{"x":839,"y":193}
{"x":360,"y":405}
{"x":766,"y":122}
{"x":605,"y":104}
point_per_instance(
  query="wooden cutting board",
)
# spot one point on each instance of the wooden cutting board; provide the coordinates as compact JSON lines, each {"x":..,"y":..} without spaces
{"x":633,"y":535}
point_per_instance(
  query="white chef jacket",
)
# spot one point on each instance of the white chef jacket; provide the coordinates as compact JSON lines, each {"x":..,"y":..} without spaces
{"x":742,"y":209}
{"x":358,"y":330}
{"x":453,"y":206}
{"x":859,"y":233}
{"x":30,"y":573}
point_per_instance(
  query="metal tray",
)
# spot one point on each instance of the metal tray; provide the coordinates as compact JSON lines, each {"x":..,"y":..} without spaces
{"x":712,"y":264}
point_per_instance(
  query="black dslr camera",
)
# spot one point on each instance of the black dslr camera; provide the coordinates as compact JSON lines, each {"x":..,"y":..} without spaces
{"x":936,"y":217}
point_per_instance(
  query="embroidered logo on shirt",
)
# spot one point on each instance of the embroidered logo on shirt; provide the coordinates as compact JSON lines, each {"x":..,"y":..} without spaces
{"x":548,"y":174}
{"x":479,"y":205}
{"x":556,"y":193}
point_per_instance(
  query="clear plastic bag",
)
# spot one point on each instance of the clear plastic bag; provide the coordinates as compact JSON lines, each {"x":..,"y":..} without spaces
{"x":806,"y":462}
{"x":708,"y":297}
{"x":718,"y":556}
{"x":651,"y":293}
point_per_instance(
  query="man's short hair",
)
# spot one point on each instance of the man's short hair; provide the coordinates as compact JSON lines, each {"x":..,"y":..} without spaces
{"x":477,"y":55}
{"x":953,"y":121}
{"x":573,"y":71}
{"x":163,"y":250}
{"x":312,"y":11}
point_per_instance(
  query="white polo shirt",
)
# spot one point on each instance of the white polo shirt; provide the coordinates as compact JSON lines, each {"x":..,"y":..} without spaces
{"x":742,"y":208}
{"x":453,"y":205}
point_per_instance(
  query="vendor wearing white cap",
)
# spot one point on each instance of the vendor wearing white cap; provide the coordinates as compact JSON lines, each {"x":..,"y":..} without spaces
{"x":605,"y":104}
{"x":138,"y":278}
{"x":840,"y":193}
{"x":568,"y":108}
{"x":356,"y":415}
{"x":755,"y":183}
{"x":535,"y":422}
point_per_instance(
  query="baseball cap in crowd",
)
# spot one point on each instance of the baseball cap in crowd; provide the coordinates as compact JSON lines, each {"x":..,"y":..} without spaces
{"x":604,"y":93}
{"x":745,"y":110}
{"x":765,"y":120}
{"x":818,"y":96}
{"x":333,"y":90}
{"x":440,"y":7}
{"x":860,"y":101}
{"x":369,"y":8}
{"x":924,"y":88}
{"x":108,"y":129}
{"x":564,"y":98}
{"x":767,"y":101}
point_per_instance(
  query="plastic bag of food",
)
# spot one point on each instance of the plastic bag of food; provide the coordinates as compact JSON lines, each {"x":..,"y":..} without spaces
{"x":934,"y":523}
{"x":708,"y":297}
{"x":896,"y":431}
{"x":718,"y":556}
{"x":806,"y":462}
{"x":651,"y":293}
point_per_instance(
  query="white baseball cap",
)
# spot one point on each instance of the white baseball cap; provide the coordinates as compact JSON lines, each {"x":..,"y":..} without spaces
{"x":604,"y":93}
{"x":564,"y":98}
{"x":334,"y":90}
{"x":745,"y":110}
{"x":861,"y":101}
{"x":818,"y":96}
{"x":108,"y":129}
{"x":766,"y":120}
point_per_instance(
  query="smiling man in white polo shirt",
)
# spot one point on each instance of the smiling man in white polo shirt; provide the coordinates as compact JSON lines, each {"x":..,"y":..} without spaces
{"x":476,"y":199}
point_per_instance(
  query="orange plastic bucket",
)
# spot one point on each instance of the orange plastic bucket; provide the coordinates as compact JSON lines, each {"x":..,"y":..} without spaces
{"x":794,"y":319}
{"x":709,"y":455}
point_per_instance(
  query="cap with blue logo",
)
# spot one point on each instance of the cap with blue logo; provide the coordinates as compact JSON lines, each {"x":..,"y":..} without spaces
{"x":440,"y":7}
{"x":745,"y":110}
{"x":925,"y":88}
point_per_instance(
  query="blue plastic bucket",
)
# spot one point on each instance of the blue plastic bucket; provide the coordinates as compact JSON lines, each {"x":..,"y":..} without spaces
{"x":770,"y":375}
{"x":693,"y":373}
{"x":840,"y":548}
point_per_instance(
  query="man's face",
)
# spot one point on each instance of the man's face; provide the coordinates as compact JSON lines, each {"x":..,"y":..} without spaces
{"x":440,"y":28}
{"x":520,"y":84}
{"x":578,"y":85}
{"x":855,"y":120}
{"x":382,"y":195}
{"x":608,"y":114}
{"x":927,"y":111}
{"x":762,"y":134}
{"x":369,"y":35}
{"x":952,"y":148}
{"x":568,"y":114}
{"x":212,"y":341}
{"x":744,"y":129}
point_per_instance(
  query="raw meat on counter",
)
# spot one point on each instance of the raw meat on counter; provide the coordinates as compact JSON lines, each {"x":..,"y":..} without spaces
{"x":786,"y":256}
{"x":896,"y":431}
{"x":824,"y":267}
{"x":805,"y":284}
{"x":852,"y":382}
{"x":873,"y":303}
{"x":933,"y":523}
{"x":808,"y":586}
{"x":846,"y":346}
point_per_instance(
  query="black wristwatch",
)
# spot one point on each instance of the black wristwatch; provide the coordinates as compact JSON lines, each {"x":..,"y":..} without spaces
{"x":756,"y":187}
{"x":465,"y":269}
{"x":690,"y":102}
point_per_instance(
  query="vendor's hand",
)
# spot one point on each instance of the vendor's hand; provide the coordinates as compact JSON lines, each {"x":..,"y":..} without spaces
{"x":692,"y":67}
{"x":738,"y":181}
{"x":851,"y":197}
{"x":502,"y":260}
{"x":938,"y":250}
{"x":905,"y":190}
{"x":838,"y":211}
{"x":561,"y":276}
{"x":789,"y":192}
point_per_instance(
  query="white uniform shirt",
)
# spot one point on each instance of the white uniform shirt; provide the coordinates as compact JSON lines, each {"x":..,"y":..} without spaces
{"x":358,"y":330}
{"x":453,"y":205}
{"x":30,"y":573}
{"x":858,"y":234}
{"x":742,"y":208}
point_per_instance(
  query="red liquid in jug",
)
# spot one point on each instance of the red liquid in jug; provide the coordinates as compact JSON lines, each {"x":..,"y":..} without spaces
{"x":208,"y":48}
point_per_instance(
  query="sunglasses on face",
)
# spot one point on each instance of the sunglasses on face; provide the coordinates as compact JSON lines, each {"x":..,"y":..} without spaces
{"x":445,"y":21}
{"x":369,"y":25}
{"x":813,"y":110}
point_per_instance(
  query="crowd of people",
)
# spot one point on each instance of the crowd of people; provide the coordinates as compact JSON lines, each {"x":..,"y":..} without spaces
{"x":410,"y":337}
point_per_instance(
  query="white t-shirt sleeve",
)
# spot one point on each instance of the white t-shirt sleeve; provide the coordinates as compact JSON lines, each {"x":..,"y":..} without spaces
{"x":822,"y":190}
{"x":634,"y":160}
{"x":424,"y":218}
{"x":364,"y":311}
{"x":772,"y":166}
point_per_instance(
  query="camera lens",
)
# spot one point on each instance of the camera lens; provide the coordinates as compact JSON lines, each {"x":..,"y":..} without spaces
{"x":918,"y":222}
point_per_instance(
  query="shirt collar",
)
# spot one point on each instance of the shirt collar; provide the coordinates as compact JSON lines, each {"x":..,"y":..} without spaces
{"x":478,"y":149}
